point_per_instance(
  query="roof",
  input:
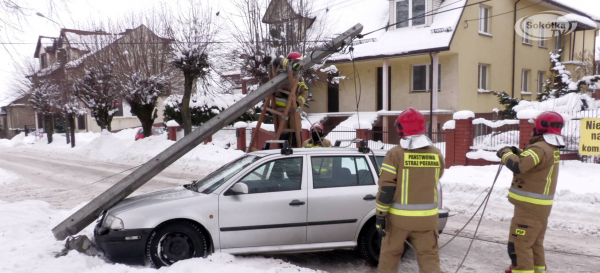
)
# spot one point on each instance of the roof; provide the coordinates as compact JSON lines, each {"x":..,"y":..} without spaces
{"x":407,"y":40}
{"x":309,"y":151}
{"x":43,"y":40}
{"x":571,"y":9}
{"x":280,"y":11}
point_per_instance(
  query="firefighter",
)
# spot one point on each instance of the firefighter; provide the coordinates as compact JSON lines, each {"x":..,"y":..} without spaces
{"x":407,"y":199}
{"x":316,"y":140}
{"x":534,"y":181}
{"x":293,"y":59}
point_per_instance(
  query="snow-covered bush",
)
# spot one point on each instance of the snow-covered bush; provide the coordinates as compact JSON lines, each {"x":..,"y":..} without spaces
{"x":98,"y":90}
{"x":205,"y":107}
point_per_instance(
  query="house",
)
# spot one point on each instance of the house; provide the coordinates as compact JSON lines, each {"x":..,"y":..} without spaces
{"x":464,"y":49}
{"x":15,"y":115}
{"x":66,"y":55}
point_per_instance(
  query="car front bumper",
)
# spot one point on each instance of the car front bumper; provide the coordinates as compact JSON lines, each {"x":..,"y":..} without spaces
{"x":443,"y":218}
{"x":123,"y":246}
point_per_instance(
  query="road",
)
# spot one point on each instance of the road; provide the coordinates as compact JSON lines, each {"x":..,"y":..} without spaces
{"x":65,"y":183}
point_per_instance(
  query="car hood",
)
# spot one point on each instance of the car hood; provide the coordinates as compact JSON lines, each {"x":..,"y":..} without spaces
{"x":152,"y":198}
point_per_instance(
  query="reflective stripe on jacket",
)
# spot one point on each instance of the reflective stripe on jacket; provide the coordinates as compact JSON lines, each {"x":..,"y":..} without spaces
{"x":408,"y":187}
{"x":535,"y":176}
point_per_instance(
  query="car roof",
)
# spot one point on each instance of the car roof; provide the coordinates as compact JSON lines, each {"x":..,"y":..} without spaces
{"x":317,"y":151}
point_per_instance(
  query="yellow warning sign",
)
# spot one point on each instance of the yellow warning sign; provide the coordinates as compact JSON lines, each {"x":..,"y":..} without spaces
{"x":421,"y":160}
{"x":589,"y":142}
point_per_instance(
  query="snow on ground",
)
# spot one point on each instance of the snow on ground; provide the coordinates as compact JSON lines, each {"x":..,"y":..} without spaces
{"x":7,"y":177}
{"x":577,"y":198}
{"x":121,"y":147}
{"x":28,"y":246}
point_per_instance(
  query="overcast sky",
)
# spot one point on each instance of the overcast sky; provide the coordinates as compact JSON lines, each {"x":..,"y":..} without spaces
{"x":84,"y":10}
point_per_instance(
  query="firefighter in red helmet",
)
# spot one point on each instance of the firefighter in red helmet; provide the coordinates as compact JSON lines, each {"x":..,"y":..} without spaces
{"x":281,"y":64}
{"x":534,"y":181}
{"x":407,"y":198}
{"x":317,"y":138}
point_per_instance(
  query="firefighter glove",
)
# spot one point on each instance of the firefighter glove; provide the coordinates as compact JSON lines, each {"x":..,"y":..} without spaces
{"x":380,"y":225}
{"x":296,"y":65}
{"x":502,"y":151}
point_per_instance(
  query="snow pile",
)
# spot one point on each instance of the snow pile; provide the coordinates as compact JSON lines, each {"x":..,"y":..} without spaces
{"x":566,"y":103}
{"x":465,"y":114}
{"x":172,"y":123}
{"x":363,"y":119}
{"x":18,"y":140}
{"x":362,"y":125}
{"x":495,"y":124}
{"x":528,"y":113}
{"x":219,"y":101}
{"x":7,"y":177}
{"x":449,"y":125}
{"x":29,"y":246}
{"x":105,"y":147}
{"x":240,"y":124}
{"x":576,"y":199}
{"x":485,"y":155}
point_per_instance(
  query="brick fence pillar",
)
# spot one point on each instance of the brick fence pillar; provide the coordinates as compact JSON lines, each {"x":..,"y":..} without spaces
{"x":241,"y":138}
{"x":173,"y":127}
{"x":305,"y":134}
{"x":362,"y":134}
{"x":463,"y":136}
{"x":525,"y":132}
{"x":450,"y":147}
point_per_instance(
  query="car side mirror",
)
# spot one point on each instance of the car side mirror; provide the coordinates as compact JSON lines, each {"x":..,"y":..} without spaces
{"x":240,"y":188}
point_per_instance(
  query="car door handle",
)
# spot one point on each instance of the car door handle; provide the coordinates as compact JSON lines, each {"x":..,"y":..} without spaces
{"x":297,"y":203}
{"x":369,"y":197}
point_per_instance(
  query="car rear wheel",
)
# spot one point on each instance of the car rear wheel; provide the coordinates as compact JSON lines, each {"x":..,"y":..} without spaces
{"x":174,"y":242}
{"x":369,"y":245}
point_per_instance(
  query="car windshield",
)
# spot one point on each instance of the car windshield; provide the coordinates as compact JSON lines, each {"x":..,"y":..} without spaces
{"x":214,"y":180}
{"x":157,"y":131}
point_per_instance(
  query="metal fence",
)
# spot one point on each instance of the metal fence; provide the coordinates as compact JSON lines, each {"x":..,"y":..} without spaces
{"x":493,"y":139}
{"x":571,"y":133}
{"x":388,"y":140}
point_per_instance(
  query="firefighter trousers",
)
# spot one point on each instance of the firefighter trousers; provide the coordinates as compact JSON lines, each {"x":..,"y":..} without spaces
{"x":425,"y":244}
{"x":526,"y":242}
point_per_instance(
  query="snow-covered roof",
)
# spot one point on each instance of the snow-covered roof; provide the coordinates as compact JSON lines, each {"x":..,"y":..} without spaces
{"x":405,"y":40}
{"x":88,"y":40}
{"x":582,"y":22}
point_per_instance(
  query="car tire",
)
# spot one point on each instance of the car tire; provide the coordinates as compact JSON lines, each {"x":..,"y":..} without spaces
{"x":175,"y":241}
{"x":369,"y":245}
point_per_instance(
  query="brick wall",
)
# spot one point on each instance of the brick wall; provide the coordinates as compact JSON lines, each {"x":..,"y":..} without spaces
{"x":525,"y":130}
{"x":463,"y":140}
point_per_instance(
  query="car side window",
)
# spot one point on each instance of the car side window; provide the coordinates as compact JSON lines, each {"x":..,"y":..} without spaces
{"x":340,"y":171}
{"x":379,"y":161}
{"x":273,"y":176}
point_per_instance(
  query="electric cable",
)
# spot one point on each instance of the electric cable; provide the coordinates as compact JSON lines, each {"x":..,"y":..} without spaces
{"x":480,"y":219}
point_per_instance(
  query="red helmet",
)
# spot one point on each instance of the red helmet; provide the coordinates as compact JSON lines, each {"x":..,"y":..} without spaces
{"x":549,"y":122}
{"x":317,"y":126}
{"x":410,"y":122}
{"x":295,"y":55}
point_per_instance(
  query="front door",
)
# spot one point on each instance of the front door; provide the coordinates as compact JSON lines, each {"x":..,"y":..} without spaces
{"x":274,"y":210}
{"x":341,"y":194}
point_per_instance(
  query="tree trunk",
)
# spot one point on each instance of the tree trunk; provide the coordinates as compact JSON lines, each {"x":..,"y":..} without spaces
{"x":109,"y":121}
{"x":146,"y":115}
{"x":49,"y":126}
{"x":186,"y":117}
{"x":67,"y":126}
{"x":72,"y":121}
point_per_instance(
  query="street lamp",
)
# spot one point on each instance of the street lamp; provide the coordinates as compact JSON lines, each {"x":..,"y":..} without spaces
{"x":43,"y":16}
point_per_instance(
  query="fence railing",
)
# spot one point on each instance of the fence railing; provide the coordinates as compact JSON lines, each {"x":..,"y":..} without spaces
{"x":492,"y":139}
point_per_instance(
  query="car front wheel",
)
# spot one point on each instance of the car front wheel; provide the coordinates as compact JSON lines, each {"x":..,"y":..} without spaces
{"x":369,"y":245}
{"x":174,"y":242}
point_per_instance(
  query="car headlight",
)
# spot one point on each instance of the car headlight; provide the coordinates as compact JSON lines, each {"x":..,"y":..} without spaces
{"x":112,"y":222}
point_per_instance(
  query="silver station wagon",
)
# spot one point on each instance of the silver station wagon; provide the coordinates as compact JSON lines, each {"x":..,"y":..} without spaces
{"x":267,"y":201}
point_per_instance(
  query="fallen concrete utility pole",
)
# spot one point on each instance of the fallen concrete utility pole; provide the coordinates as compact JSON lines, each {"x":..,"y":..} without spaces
{"x":90,"y":212}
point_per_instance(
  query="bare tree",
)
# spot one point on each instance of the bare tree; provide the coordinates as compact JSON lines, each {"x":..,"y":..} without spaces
{"x":193,"y":30}
{"x":141,"y":65}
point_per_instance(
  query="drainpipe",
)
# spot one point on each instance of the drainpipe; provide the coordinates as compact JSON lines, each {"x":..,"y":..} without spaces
{"x":512,"y":94}
{"x":431,"y":98}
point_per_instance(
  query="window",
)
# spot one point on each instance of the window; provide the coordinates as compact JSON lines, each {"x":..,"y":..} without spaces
{"x":540,"y":81}
{"x":214,"y":180}
{"x":44,"y":60}
{"x":340,"y":171}
{"x":484,"y":20}
{"x":406,"y":9}
{"x":557,"y":41}
{"x":119,"y":106}
{"x":422,"y":80}
{"x":279,"y":175}
{"x":81,"y":122}
{"x":483,"y":77}
{"x":526,"y":39}
{"x":542,"y":42}
{"x":525,"y":81}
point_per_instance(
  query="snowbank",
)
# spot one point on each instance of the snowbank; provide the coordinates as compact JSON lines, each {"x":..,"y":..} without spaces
{"x":568,"y":103}
{"x":481,"y":154}
{"x":465,"y":114}
{"x":7,"y":177}
{"x":172,"y":123}
{"x":29,"y":246}
{"x":240,"y":124}
{"x":495,"y":124}
{"x":528,"y":113}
